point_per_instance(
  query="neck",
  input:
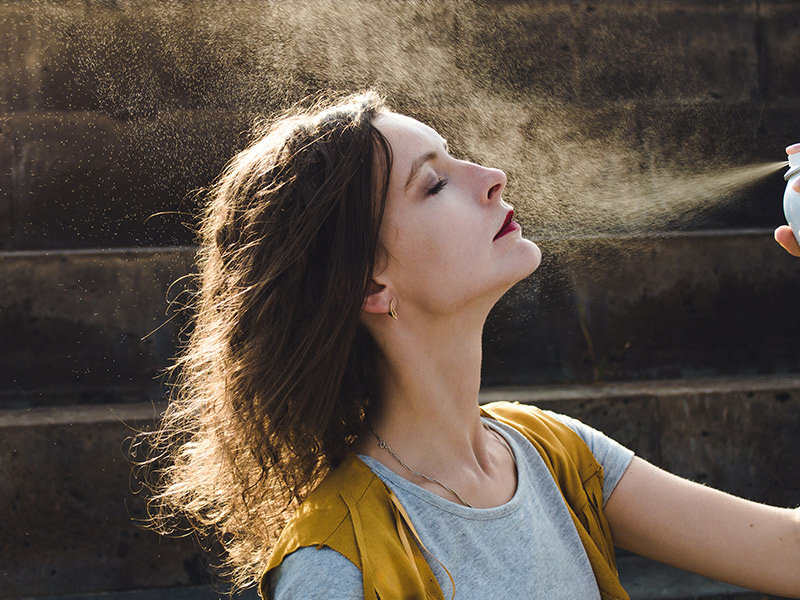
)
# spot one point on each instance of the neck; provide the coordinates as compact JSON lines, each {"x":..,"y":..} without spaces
{"x":427,"y":408}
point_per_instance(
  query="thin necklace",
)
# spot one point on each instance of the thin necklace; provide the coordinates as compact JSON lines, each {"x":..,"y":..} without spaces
{"x":382,"y":443}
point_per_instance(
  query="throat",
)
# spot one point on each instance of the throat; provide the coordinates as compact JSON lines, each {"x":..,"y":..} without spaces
{"x":487,"y":487}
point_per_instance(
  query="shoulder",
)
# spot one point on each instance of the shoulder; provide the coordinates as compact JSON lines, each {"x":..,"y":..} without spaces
{"x":316,"y":574}
{"x":348,"y":502}
{"x":599,"y":443}
{"x":328,"y":505}
{"x":565,"y":453}
{"x":566,"y":444}
{"x":325,"y":517}
{"x":533,"y":422}
{"x":353,"y":513}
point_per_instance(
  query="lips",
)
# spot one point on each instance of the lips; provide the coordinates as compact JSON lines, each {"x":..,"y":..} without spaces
{"x":508,"y":226}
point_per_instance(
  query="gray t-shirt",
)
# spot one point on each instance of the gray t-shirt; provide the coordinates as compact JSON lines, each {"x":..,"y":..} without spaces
{"x":526,"y":548}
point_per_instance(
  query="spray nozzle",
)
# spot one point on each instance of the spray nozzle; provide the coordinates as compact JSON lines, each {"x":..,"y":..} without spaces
{"x":794,"y":165}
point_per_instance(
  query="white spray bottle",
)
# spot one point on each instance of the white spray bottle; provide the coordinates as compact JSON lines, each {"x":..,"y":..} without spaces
{"x":791,"y":198}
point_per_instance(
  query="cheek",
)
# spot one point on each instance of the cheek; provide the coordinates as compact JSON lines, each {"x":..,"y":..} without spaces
{"x":437,"y":251}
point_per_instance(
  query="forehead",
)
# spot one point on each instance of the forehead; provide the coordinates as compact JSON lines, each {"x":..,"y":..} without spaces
{"x":407,"y":137}
{"x":410,"y":142}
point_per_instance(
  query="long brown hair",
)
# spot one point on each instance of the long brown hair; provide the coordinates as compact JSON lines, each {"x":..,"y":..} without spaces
{"x":274,"y":380}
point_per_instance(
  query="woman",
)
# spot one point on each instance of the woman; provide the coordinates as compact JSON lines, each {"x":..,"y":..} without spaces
{"x":329,"y":394}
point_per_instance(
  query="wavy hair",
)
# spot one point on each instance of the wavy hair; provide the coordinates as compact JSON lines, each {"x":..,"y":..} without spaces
{"x":274,"y":380}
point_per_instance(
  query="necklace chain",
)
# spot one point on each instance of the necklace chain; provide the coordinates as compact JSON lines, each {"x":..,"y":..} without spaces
{"x":382,"y":443}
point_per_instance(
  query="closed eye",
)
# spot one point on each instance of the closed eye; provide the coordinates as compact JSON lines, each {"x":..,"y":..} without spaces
{"x":438,"y":187}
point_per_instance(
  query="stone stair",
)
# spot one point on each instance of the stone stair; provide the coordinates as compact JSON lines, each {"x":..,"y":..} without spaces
{"x":98,"y":321}
{"x":105,"y":321}
{"x":68,"y":494}
{"x":678,"y":345}
{"x":676,"y":337}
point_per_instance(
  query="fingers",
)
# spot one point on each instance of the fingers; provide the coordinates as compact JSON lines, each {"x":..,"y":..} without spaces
{"x":785,"y":237}
{"x":794,"y":148}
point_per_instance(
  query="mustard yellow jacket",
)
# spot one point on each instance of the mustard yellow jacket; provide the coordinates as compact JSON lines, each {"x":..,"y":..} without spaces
{"x":353,"y":512}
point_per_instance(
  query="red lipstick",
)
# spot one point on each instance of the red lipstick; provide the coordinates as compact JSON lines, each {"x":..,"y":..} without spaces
{"x":508,"y":226}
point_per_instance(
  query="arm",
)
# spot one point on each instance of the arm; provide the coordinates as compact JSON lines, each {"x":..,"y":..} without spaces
{"x":699,"y":529}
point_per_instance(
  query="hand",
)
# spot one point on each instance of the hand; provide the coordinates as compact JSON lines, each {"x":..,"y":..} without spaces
{"x":785,"y":237}
{"x":783,"y":234}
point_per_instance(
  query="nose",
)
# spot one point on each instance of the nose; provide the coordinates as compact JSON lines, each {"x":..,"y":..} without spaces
{"x":496,"y":182}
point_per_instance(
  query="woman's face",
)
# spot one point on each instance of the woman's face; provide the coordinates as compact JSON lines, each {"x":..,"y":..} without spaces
{"x":446,"y":227}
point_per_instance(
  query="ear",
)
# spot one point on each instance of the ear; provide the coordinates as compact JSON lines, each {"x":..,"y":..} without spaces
{"x":378,"y":299}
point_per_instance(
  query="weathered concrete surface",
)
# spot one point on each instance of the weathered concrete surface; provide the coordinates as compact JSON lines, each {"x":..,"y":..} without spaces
{"x":615,"y":308}
{"x":68,"y":506}
{"x":168,"y":593}
{"x":779,"y":44}
{"x":88,"y":326}
{"x":112,"y":112}
{"x":599,"y":309}
{"x":67,"y":494}
{"x":737,"y":434}
{"x":83,"y":179}
{"x":138,"y":57}
{"x":645,"y":579}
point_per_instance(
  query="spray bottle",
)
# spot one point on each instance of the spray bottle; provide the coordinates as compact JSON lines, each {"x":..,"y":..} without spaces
{"x":791,"y":198}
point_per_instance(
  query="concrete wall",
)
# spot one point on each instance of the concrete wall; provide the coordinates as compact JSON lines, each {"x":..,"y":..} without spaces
{"x":71,"y":515}
{"x":113,"y":114}
{"x":113,"y":111}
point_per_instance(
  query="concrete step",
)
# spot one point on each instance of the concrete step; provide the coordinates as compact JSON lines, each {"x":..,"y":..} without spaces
{"x":69,"y":502}
{"x":84,"y":326}
{"x":64,"y":56}
{"x":85,"y":179}
{"x":68,"y":495}
{"x":604,"y":308}
{"x":193,"y":592}
{"x":600,"y":308}
{"x":643,"y":579}
{"x":111,"y":115}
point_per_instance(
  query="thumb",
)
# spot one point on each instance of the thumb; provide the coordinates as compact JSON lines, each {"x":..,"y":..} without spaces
{"x":785,"y":237}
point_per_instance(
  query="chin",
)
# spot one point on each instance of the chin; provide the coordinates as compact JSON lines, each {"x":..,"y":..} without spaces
{"x":533,"y":257}
{"x":524,"y":267}
{"x":525,"y":261}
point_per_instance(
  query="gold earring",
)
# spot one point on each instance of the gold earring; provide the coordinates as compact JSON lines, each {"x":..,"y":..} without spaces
{"x":392,"y":311}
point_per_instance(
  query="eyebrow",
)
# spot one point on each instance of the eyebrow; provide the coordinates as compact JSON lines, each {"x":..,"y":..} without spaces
{"x":415,"y":166}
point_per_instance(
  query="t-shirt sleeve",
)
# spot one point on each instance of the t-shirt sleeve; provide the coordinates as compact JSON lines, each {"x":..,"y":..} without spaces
{"x":614,"y":457}
{"x":316,"y":574}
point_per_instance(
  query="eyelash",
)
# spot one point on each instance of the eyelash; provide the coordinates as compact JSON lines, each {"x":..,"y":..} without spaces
{"x":438,"y":187}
